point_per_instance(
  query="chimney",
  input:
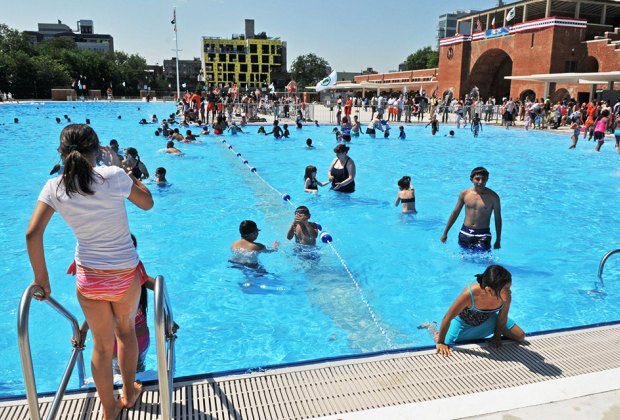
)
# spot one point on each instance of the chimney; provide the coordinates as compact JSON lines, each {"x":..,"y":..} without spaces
{"x":249,"y":28}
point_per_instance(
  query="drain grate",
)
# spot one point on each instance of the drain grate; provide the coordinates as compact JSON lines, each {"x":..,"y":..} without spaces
{"x":362,"y":384}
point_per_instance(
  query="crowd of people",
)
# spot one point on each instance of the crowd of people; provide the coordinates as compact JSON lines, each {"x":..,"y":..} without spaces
{"x":110,"y":276}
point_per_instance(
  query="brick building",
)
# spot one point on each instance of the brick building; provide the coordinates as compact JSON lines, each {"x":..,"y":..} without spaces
{"x":557,"y":39}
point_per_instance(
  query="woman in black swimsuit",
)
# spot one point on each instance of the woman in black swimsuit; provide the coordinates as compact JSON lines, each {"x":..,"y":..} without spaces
{"x":342,"y":171}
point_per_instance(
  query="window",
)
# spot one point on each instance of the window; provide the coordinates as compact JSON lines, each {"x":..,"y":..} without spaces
{"x":253,"y":49}
{"x":255,"y":68}
{"x":570,"y":66}
{"x":265,"y":49}
{"x":243,"y":68}
{"x":264,"y":68}
{"x":253,"y":58}
{"x":532,"y":46}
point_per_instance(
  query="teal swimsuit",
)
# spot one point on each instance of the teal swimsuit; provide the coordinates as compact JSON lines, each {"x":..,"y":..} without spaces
{"x":474,"y":324}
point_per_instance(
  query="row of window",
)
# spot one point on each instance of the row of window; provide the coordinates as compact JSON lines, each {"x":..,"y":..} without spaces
{"x":243,"y":49}
{"x":242,"y":68}
{"x":242,"y":58}
{"x":238,"y":77}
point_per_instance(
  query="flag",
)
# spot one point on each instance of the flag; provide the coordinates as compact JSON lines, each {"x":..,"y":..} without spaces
{"x":174,"y":19}
{"x":478,"y":25}
{"x":510,"y":16}
{"x":327,"y":82}
{"x":493,"y":22}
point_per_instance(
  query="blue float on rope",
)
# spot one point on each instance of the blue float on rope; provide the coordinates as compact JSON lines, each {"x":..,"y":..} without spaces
{"x":245,"y":161}
{"x":319,"y":227}
{"x":238,"y":154}
{"x":326,"y":237}
{"x":252,"y":169}
{"x":230,"y":147}
{"x":223,"y":140}
{"x":286,"y":197}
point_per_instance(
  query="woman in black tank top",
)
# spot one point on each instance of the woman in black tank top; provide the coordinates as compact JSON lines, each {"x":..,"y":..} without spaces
{"x":343,"y":176}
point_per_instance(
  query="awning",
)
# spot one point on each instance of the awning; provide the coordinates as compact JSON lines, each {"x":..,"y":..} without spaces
{"x":375,"y":85}
{"x":572,"y":78}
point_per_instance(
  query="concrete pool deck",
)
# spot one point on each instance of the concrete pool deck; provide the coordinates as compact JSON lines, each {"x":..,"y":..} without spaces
{"x":574,"y":372}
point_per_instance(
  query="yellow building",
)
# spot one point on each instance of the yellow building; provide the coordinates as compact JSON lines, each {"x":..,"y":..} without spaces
{"x":250,"y":60}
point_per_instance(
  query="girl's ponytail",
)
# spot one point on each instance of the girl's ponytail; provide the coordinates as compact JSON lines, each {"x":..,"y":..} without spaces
{"x":78,"y":145}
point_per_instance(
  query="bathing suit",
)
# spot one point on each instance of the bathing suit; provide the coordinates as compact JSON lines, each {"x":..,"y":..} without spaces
{"x":617,"y":133}
{"x":346,"y":134}
{"x":475,"y":239}
{"x":474,"y":324}
{"x":144,"y":340}
{"x":311,"y":185}
{"x":108,"y":285}
{"x":576,"y":131}
{"x":599,"y":136}
{"x":217,"y":131}
{"x":339,"y":176}
{"x":407,"y":200}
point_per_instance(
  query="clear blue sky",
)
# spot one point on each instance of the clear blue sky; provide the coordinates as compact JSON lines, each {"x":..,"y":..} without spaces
{"x":350,"y":35}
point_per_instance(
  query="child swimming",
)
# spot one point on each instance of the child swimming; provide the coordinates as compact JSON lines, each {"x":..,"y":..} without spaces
{"x":406,"y":195}
{"x":311,"y":184}
{"x":302,"y":229}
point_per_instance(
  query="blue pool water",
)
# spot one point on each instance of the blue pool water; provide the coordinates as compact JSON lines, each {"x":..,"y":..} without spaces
{"x":558,"y":210}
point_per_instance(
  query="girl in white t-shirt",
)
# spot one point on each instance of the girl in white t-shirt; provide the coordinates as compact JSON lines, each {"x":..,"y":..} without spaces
{"x":91,"y":200}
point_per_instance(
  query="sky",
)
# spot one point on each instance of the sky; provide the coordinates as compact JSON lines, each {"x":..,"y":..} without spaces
{"x":351,"y":35}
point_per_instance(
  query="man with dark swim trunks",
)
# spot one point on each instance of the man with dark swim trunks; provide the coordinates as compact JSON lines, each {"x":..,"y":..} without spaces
{"x":479,"y":202}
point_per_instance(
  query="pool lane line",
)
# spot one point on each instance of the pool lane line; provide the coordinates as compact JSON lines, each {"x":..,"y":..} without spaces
{"x":325,"y":238}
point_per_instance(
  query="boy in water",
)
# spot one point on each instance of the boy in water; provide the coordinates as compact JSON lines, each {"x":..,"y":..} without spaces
{"x":476,"y":125}
{"x":249,"y":234}
{"x":401,"y":133}
{"x":171,"y":149}
{"x":479,"y":202}
{"x":304,"y":231}
{"x":160,"y":175}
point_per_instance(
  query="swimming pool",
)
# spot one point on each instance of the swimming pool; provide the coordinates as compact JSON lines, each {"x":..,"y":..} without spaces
{"x":558,"y":212}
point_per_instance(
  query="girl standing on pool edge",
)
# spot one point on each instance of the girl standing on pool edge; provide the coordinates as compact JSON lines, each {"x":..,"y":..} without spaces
{"x":481,"y":310}
{"x":91,"y":200}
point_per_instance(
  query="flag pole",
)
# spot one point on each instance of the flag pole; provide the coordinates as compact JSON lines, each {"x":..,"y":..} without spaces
{"x":176,"y":40}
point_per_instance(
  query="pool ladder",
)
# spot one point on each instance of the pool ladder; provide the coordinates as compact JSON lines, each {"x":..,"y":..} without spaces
{"x":164,"y":339}
{"x":602,"y":264}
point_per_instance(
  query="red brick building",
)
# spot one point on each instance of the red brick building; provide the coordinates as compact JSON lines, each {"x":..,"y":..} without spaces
{"x":556,"y":38}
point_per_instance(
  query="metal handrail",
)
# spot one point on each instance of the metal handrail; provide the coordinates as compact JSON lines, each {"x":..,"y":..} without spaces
{"x":602,"y":264}
{"x":164,"y":332}
{"x":26,"y":355}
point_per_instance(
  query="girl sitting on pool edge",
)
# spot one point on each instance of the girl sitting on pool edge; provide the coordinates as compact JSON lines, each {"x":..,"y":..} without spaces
{"x":481,"y":310}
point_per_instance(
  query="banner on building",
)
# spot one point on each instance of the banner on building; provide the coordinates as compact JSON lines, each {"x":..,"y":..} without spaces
{"x":492,"y":33}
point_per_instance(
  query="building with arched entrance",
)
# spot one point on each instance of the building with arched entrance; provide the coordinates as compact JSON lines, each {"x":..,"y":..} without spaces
{"x":500,"y":50}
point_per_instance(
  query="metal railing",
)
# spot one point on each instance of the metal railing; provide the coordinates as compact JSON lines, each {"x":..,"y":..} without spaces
{"x":26,"y":355}
{"x":165,"y":337}
{"x":164,"y":334}
{"x":602,"y":264}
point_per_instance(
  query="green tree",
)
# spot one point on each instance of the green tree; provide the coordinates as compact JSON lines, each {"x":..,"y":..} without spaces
{"x":424,"y":58}
{"x":31,"y":72}
{"x":308,"y":70}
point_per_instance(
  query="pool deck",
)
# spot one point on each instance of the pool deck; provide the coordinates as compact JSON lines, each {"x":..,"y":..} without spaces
{"x":551,"y":374}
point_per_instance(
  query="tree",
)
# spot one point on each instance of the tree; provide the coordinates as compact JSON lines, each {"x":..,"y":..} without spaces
{"x":31,"y":72}
{"x":308,"y":70}
{"x":424,"y":58}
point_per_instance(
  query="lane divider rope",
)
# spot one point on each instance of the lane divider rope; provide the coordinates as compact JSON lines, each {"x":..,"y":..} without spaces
{"x":325,"y":238}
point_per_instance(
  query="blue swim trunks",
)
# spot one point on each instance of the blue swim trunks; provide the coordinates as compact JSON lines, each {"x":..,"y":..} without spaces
{"x":475,"y":239}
